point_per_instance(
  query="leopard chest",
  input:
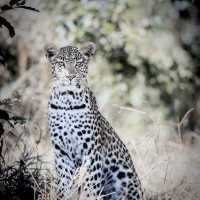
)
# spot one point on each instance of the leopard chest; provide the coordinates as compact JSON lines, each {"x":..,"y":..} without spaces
{"x":74,"y":130}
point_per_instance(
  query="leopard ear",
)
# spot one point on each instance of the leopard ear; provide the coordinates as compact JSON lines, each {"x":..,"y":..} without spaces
{"x":50,"y":51}
{"x":89,"y":50}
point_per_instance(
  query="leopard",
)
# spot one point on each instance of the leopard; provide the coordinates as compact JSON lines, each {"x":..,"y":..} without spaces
{"x":81,"y":135}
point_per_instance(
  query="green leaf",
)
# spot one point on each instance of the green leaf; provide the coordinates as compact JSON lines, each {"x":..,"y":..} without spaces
{"x":4,"y":22}
{"x":28,"y":8}
{"x":19,"y":119}
{"x":17,"y":2}
{"x":4,"y":115}
{"x":13,"y":2}
{"x":5,"y":7}
{"x":1,"y":129}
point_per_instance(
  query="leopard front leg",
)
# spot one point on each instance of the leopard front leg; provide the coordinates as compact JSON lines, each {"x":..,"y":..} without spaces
{"x":94,"y":179}
{"x":66,"y":170}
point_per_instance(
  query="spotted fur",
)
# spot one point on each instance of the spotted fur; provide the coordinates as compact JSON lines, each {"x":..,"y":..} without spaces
{"x":81,"y":135}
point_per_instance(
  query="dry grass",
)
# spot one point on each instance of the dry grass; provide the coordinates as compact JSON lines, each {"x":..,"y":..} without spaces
{"x":167,"y":168}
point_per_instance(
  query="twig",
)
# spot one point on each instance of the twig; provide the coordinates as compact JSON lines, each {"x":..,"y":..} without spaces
{"x":186,"y":116}
{"x":134,"y":110}
{"x":180,"y":124}
{"x":166,"y":171}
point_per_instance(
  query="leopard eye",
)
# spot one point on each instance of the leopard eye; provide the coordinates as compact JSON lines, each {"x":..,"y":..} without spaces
{"x":60,"y":65}
{"x":60,"y":58}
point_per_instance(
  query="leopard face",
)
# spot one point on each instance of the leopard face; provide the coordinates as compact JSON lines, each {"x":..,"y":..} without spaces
{"x":69,"y":66}
{"x":69,"y":61}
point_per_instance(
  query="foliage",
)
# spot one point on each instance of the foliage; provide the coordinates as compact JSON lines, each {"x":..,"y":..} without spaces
{"x":6,"y":55}
{"x":140,"y":43}
{"x":13,"y":4}
{"x":21,"y":179}
{"x":18,"y":180}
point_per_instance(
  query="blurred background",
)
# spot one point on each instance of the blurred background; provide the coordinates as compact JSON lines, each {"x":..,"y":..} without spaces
{"x":145,"y":75}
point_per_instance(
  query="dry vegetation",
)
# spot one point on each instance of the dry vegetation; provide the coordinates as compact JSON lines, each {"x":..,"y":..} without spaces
{"x":168,"y":164}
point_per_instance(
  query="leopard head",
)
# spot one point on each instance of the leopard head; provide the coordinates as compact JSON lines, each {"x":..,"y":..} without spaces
{"x":70,"y":62}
